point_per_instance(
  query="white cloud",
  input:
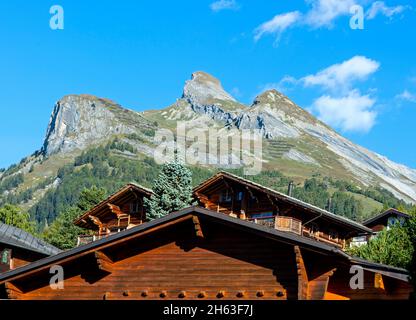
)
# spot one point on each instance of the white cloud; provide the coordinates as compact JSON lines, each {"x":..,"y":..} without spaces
{"x":286,"y":84}
{"x":277,"y":25}
{"x":353,"y":112}
{"x":341,"y":76}
{"x":379,"y":7}
{"x":324,"y":12}
{"x":224,"y":5}
{"x":236,"y":92}
{"x":342,"y":105}
{"x":407,"y":96}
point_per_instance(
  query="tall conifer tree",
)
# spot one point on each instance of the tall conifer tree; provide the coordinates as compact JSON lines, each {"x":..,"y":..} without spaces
{"x":172,"y":191}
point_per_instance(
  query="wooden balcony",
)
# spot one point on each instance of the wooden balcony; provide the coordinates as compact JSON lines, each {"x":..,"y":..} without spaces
{"x":288,"y":224}
{"x":85,"y":239}
{"x":280,"y":223}
{"x":107,"y":230}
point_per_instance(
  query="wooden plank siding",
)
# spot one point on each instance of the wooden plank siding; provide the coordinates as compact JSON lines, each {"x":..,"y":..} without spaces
{"x":146,"y":268}
{"x":200,"y":255}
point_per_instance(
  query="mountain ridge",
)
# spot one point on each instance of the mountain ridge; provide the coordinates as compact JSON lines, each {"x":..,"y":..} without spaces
{"x":295,"y":142}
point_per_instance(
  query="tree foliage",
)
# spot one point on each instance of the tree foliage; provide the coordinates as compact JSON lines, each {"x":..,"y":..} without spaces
{"x":11,"y":182}
{"x":411,"y":230}
{"x":396,"y":246}
{"x":172,"y":191}
{"x":100,"y":166}
{"x":346,"y":205}
{"x":90,"y":197}
{"x":63,"y":233}
{"x":391,"y":246}
{"x":316,"y":192}
{"x":16,"y":217}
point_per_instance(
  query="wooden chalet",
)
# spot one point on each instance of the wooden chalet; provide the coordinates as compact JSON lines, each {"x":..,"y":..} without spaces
{"x":19,"y":248}
{"x":202,"y":254}
{"x":120,"y":211}
{"x":237,"y":197}
{"x":386,"y":219}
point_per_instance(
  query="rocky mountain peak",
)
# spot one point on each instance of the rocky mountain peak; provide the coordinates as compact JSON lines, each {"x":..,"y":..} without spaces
{"x":80,"y":120}
{"x":205,"y":89}
{"x":269,"y":96}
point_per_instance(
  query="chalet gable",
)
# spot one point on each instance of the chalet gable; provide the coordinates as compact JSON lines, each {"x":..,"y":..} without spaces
{"x":384,"y":218}
{"x":239,"y":197}
{"x":122,"y":208}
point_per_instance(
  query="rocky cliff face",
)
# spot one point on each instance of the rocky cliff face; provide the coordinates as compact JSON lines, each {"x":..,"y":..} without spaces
{"x":80,"y":121}
{"x":204,"y":89}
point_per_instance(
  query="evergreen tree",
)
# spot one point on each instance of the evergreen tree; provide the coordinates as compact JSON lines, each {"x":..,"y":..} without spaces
{"x":14,"y":216}
{"x":172,"y":191}
{"x":63,"y":233}
{"x":90,"y":197}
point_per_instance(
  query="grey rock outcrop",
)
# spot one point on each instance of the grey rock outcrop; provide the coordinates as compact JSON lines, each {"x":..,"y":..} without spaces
{"x":78,"y":121}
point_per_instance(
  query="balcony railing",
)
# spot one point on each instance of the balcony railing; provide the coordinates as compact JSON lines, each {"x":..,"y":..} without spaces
{"x":281,"y":223}
{"x":288,"y":224}
{"x":85,"y":239}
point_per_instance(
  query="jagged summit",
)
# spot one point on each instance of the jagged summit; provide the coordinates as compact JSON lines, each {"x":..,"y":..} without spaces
{"x":203,"y":88}
{"x":275,"y":102}
{"x":269,"y":96}
{"x":80,"y":120}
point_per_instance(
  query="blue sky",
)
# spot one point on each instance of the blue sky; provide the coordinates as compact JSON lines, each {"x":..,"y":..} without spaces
{"x":139,"y":53}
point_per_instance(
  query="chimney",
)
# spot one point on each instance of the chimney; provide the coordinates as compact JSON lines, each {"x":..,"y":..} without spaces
{"x":290,"y":189}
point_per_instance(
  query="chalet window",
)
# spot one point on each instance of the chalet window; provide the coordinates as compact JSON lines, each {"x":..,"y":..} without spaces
{"x":226,"y":196}
{"x":393,"y":221}
{"x":134,"y":207}
{"x":239,"y":196}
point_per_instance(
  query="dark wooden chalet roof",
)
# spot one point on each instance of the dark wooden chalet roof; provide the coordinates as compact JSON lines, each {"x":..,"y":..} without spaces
{"x":117,"y":196}
{"x":16,"y":237}
{"x":385,"y":215}
{"x":285,"y":198}
{"x":204,"y":215}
